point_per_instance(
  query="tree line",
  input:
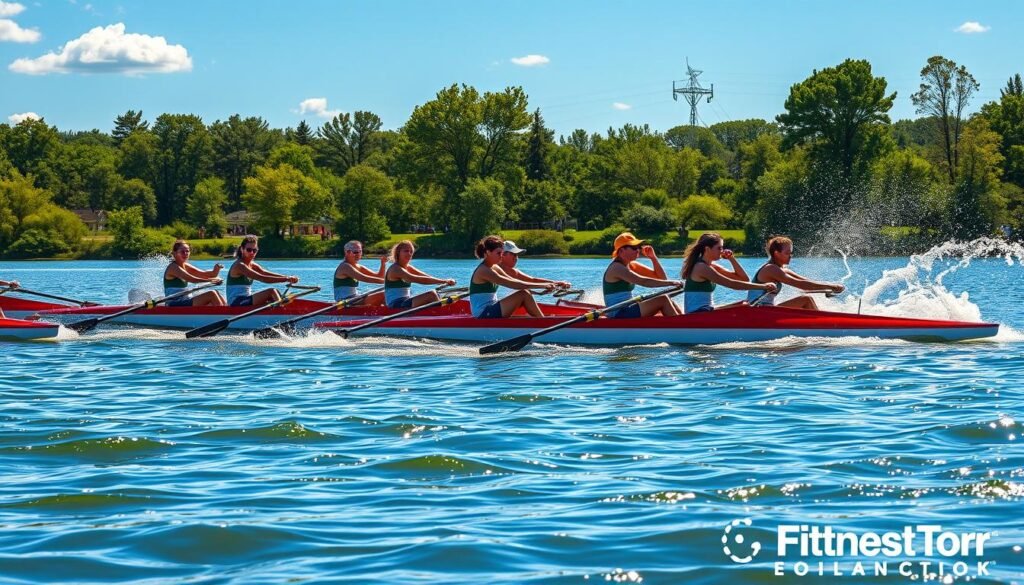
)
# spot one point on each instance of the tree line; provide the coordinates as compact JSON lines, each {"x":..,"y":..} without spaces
{"x":832,"y":164}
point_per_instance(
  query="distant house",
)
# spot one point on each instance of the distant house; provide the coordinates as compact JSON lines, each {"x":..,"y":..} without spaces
{"x":94,"y":220}
{"x":241,"y":223}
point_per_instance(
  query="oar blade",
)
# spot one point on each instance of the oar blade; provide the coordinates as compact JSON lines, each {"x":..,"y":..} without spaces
{"x":267,"y":333}
{"x":84,"y":325}
{"x":208,"y":329}
{"x":514,"y":344}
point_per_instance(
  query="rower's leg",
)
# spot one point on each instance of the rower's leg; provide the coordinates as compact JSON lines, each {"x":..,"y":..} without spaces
{"x":424,"y":298}
{"x":523,"y":299}
{"x":801,"y":302}
{"x":207,"y":299}
{"x":264,"y":297}
{"x":374,"y":300}
{"x":661,"y":304}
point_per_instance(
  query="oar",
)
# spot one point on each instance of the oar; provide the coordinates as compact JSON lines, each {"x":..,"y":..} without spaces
{"x":438,"y":303}
{"x":268,"y":332}
{"x":216,"y":327}
{"x":517,"y":343}
{"x":578,"y":292}
{"x":49,"y":296}
{"x":88,"y":324}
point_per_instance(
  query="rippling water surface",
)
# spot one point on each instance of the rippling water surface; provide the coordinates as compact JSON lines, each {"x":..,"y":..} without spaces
{"x":131,"y":455}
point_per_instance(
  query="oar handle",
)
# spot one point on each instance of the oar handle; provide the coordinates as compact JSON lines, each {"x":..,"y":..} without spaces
{"x":48,"y":296}
{"x":566,"y":292}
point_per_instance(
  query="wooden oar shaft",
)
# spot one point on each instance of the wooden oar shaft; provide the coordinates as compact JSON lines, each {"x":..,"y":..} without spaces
{"x":46,"y":296}
{"x":332,"y":307}
{"x":217,"y":326}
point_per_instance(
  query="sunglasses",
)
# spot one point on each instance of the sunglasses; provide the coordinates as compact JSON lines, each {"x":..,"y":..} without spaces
{"x":251,"y":250}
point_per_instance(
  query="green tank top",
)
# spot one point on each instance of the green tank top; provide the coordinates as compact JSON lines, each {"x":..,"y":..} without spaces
{"x":173,"y":283}
{"x":346,"y":281}
{"x":695,"y":286}
{"x":611,"y":288}
{"x":388,"y":283}
{"x":242,"y":280}
{"x":483,"y":288}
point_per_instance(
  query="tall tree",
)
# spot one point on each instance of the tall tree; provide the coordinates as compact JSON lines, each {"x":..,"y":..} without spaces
{"x":206,"y":206}
{"x":841,"y":112}
{"x":1014,"y":86}
{"x":539,"y":143}
{"x":127,"y":123}
{"x":183,"y":159}
{"x":946,"y":90}
{"x":239,"y":146}
{"x":347,"y":141}
{"x":363,"y":195}
{"x":302,"y":135}
{"x":32,"y":146}
{"x":977,"y":204}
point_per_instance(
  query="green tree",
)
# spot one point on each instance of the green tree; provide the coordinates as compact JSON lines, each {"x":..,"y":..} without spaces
{"x":641,"y":164}
{"x":32,"y":146}
{"x":134,"y":193}
{"x":1006,"y":117}
{"x":908,"y":193}
{"x":361,"y":200}
{"x":48,"y":232}
{"x":841,"y":112}
{"x":139,"y":157}
{"x":977,"y":205}
{"x":127,"y":124}
{"x":481,"y":211}
{"x":271,"y":194}
{"x":734,"y":133}
{"x":1014,"y":86}
{"x":86,"y":175}
{"x":303,"y":134}
{"x":205,"y":206}
{"x":348,"y":140}
{"x":239,"y":146}
{"x":545,"y":201}
{"x":296,"y":155}
{"x":183,"y":159}
{"x":946,"y":90}
{"x":696,"y":137}
{"x":539,"y":143}
{"x":131,"y":238}
{"x":20,"y":198}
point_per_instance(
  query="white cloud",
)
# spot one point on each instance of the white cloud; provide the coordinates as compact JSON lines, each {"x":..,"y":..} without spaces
{"x":110,"y":50}
{"x":317,"y":107}
{"x":10,"y":31}
{"x":972,"y":27}
{"x":531,"y":60}
{"x":622,"y":106}
{"x":19,"y":118}
{"x":10,"y":8}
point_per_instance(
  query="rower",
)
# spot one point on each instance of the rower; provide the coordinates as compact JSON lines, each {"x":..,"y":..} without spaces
{"x":702,"y":274}
{"x":11,"y":284}
{"x":179,"y":273}
{"x":483,"y":285}
{"x":245,"y":270}
{"x":508,"y":265}
{"x":624,"y":273}
{"x":776,"y":270}
{"x":350,"y":273}
{"x":400,"y":276}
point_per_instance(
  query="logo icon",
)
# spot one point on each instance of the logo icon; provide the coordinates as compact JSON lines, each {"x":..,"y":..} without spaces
{"x":732,"y":538}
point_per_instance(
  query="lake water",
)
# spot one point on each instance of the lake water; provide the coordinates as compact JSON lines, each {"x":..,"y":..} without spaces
{"x":130,"y":455}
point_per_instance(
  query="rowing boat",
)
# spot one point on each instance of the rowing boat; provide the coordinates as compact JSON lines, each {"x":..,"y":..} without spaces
{"x":19,"y":330}
{"x":20,"y":308}
{"x":732,"y":324}
{"x":164,"y":317}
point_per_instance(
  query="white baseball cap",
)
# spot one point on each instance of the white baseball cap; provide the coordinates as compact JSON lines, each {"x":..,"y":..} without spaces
{"x":512,"y":248}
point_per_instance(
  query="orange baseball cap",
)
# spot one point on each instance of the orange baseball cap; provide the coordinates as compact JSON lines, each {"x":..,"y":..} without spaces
{"x":626,"y":239}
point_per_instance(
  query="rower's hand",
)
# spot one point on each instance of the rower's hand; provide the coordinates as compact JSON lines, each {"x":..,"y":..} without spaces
{"x":563,"y":285}
{"x":550,"y":287}
{"x":771,"y":288}
{"x":728,"y":254}
{"x":676,"y":282}
{"x":449,"y":282}
{"x":837,"y":288}
{"x":293,"y":280}
{"x":647,"y":251}
{"x":216,"y":281}
{"x":13,"y":284}
{"x":383,"y":260}
{"x":217,"y":268}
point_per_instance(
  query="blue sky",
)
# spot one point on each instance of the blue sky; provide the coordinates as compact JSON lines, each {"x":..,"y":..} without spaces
{"x":595,"y":64}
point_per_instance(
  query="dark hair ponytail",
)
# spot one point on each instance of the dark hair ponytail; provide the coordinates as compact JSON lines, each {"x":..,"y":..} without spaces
{"x":696,"y":250}
{"x":487,"y":244}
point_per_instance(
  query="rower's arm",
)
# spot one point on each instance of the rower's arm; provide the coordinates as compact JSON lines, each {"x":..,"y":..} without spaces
{"x":202,"y":275}
{"x":364,"y":274}
{"x":624,"y":273}
{"x":793,"y":279}
{"x":724,"y":277}
{"x":10,"y":283}
{"x":498,"y":276}
{"x":257,"y":272}
{"x":642,"y":269}
{"x":413,"y":274}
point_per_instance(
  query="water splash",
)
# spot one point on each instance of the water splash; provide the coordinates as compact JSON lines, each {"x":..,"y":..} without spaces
{"x":919,"y":286}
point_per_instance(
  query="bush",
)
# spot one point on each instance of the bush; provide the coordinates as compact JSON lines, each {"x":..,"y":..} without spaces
{"x":36,"y":243}
{"x":180,"y":230}
{"x":647,"y":220}
{"x":601,"y":246}
{"x":703,"y":212}
{"x":274,"y":247}
{"x":543,"y":242}
{"x":133,"y":240}
{"x":59,"y":224}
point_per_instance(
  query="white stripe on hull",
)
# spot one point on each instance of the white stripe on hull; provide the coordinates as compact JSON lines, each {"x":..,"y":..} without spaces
{"x":681,"y":336}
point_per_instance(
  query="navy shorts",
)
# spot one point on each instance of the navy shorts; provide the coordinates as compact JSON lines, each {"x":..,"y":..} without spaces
{"x":628,"y":312}
{"x":492,"y":311}
{"x":179,"y":302}
{"x":401,"y":303}
{"x":245,"y":301}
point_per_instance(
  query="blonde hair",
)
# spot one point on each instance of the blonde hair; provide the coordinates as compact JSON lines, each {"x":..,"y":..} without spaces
{"x":393,"y":254}
{"x":695,"y":250}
